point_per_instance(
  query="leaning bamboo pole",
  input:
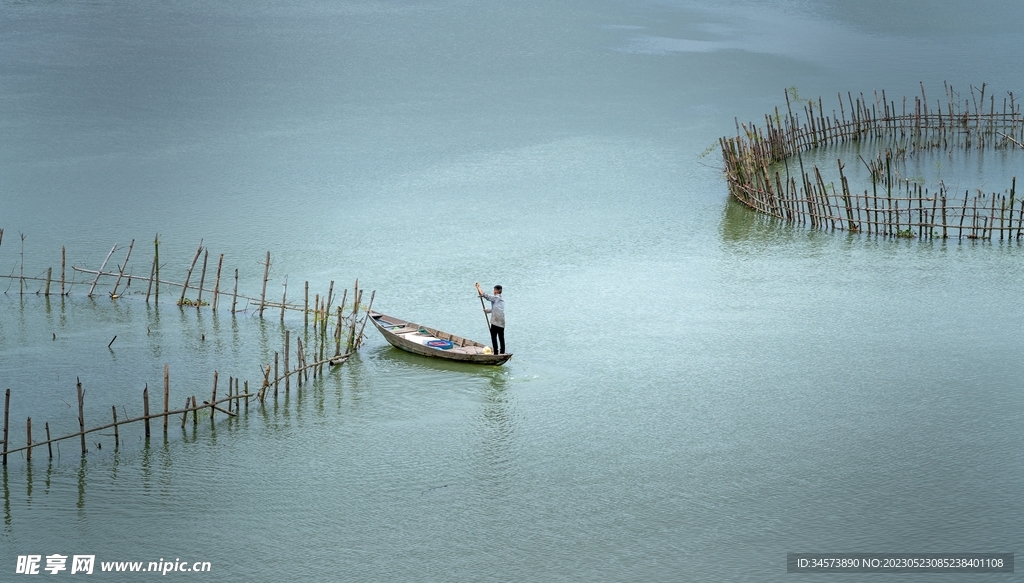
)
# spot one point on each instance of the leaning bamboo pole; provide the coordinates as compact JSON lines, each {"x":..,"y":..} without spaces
{"x":121,"y":268}
{"x":91,"y":289}
{"x":188,"y":274}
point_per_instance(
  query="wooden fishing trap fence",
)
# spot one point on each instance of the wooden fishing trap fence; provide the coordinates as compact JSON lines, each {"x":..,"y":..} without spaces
{"x":348,"y":326}
{"x":320,"y":310}
{"x":761,"y":174}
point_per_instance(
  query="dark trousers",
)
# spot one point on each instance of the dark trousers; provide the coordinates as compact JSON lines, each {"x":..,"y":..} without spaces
{"x":498,"y":335}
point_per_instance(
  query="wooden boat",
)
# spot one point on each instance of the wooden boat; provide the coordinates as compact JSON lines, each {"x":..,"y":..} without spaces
{"x":434,"y":343}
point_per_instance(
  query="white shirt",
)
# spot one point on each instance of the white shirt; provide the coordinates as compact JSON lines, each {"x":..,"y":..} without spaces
{"x":497,"y":309}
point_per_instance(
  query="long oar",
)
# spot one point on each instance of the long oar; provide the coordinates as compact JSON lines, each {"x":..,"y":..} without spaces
{"x":484,"y":308}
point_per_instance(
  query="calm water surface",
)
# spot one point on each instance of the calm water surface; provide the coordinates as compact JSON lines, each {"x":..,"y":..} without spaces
{"x":695,"y":392}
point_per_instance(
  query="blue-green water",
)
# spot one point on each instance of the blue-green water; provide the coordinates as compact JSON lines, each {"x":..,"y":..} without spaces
{"x":695,"y":391}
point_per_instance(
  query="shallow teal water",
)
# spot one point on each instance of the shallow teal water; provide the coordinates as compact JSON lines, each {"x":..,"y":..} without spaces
{"x":695,"y":391}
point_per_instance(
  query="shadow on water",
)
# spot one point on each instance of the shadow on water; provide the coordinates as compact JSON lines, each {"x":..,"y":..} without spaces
{"x":81,"y":487}
{"x":744,"y":230}
{"x":495,"y":431}
{"x":497,"y":416}
{"x":742,"y":225}
{"x":7,"y":500}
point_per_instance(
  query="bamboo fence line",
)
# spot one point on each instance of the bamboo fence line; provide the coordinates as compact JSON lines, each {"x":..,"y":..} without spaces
{"x":761,"y":174}
{"x":347,"y":325}
{"x":153,"y":291}
{"x":234,"y":399}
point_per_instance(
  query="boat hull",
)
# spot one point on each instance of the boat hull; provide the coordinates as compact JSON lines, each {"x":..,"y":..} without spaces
{"x":413,"y":338}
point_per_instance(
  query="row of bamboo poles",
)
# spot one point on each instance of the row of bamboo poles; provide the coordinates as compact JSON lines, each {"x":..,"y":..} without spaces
{"x":238,"y":393}
{"x":759,"y":175}
{"x":233,"y":399}
{"x":153,"y":282}
{"x":344,"y":331}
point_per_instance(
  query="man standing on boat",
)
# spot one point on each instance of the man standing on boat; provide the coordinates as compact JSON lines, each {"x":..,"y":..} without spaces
{"x":497,"y":320}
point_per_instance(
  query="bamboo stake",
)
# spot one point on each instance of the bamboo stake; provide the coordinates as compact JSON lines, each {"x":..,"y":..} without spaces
{"x":305,"y":308}
{"x":63,"y":258}
{"x":28,"y":439}
{"x":359,"y":338}
{"x":216,"y":284}
{"x":318,"y":370}
{"x":101,"y":269}
{"x":944,"y":235}
{"x":21,"y":272}
{"x":49,"y":448}
{"x":1020,"y":221}
{"x":284,"y":296}
{"x":266,"y":382}
{"x":156,"y":265}
{"x":337,"y":334}
{"x":213,"y":397}
{"x":989,"y":223}
{"x":184,"y":416}
{"x":301,"y":357}
{"x":963,"y":215}
{"x":117,"y":437}
{"x":188,"y":275}
{"x":266,"y":274}
{"x":330,"y":298}
{"x":81,"y":414}
{"x":234,"y":296}
{"x":49,"y":274}
{"x":202,"y":279}
{"x":356,"y":295}
{"x":287,"y":349}
{"x":152,"y":271}
{"x":121,"y":269}
{"x":167,"y":393}
{"x":145,"y":408}
{"x":7,"y":413}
